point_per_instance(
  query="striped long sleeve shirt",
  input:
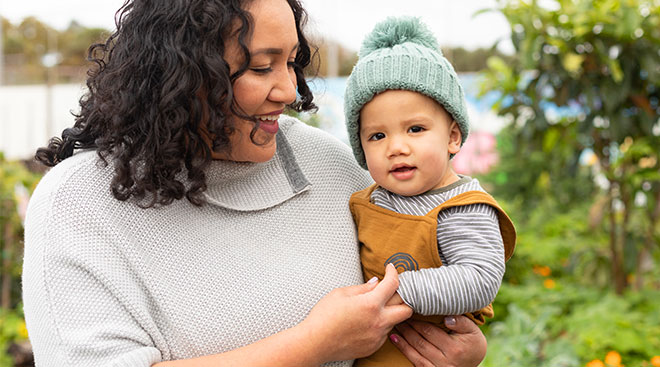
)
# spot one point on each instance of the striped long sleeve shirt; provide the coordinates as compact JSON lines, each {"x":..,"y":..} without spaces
{"x":470,"y":248}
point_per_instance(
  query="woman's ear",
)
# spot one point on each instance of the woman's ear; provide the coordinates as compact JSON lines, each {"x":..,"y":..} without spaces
{"x":455,"y":138}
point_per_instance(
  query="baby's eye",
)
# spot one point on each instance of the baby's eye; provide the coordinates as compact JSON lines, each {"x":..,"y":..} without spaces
{"x":416,"y":129}
{"x":377,"y":136}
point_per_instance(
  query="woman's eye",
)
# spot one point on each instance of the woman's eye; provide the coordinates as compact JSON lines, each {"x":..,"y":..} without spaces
{"x":261,"y":70}
{"x":292,"y":64}
{"x":377,"y":136}
{"x":416,"y":129}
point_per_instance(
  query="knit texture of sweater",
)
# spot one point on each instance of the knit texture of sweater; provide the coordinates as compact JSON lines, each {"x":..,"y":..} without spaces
{"x":107,"y":283}
{"x":469,"y":244}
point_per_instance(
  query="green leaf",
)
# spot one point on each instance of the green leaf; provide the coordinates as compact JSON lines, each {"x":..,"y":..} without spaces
{"x":615,"y":69}
{"x":572,"y":62}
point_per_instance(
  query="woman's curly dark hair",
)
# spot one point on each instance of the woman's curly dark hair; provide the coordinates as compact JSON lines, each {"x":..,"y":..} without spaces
{"x":156,"y":80}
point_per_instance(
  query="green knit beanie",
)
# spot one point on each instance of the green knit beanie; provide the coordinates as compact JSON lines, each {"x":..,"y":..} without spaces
{"x":401,"y":53}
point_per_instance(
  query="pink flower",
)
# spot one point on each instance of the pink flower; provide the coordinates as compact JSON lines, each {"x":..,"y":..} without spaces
{"x":478,"y":154}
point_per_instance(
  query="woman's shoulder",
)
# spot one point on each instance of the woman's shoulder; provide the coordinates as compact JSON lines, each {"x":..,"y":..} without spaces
{"x":84,"y":171}
{"x":73,"y":183}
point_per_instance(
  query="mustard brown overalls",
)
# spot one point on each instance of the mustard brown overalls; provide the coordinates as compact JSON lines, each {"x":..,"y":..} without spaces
{"x":410,"y":243}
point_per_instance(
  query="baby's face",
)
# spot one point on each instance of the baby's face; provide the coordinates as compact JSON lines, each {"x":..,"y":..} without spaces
{"x":407,"y":139}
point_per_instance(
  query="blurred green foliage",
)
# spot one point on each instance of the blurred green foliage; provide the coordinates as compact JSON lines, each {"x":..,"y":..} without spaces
{"x":579,"y":173}
{"x":584,"y":87}
{"x":12,"y":330}
{"x":557,"y":307}
{"x":469,"y":61}
{"x":570,"y":325}
{"x":16,"y":184}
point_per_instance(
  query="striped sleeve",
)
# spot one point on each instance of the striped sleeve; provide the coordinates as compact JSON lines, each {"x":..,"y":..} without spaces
{"x":472,"y":249}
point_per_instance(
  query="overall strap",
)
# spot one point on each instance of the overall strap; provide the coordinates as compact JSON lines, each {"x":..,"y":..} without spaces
{"x":364,"y":194}
{"x":507,"y":228}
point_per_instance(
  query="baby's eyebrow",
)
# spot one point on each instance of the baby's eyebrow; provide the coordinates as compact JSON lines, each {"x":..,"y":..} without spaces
{"x":371,"y":129}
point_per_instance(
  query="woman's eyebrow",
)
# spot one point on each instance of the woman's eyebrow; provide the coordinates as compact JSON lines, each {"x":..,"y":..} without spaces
{"x":272,"y":50}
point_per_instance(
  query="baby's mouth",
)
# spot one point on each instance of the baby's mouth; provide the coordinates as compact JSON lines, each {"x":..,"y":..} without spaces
{"x":402,"y":169}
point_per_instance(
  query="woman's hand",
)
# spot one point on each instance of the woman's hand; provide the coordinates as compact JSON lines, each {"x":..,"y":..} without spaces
{"x":353,"y":322}
{"x":427,"y":345}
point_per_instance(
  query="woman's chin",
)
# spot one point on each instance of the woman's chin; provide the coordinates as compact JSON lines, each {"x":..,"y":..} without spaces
{"x":256,"y":153}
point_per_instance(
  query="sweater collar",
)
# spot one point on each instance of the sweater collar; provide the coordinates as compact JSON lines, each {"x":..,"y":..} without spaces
{"x":245,"y":186}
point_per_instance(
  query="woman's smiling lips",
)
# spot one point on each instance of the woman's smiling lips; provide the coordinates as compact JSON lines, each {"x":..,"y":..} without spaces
{"x":268,"y":122}
{"x":403,"y":171}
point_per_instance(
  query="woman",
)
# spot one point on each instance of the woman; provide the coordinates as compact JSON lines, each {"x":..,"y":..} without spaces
{"x":197,"y":225}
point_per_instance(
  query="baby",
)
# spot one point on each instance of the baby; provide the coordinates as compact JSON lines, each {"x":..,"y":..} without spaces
{"x":406,"y":118}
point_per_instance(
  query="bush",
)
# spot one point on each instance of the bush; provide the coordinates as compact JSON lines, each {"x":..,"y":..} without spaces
{"x":557,"y":308}
{"x":16,"y":185}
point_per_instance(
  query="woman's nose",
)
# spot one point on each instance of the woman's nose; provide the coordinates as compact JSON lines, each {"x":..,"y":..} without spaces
{"x":284,"y":90}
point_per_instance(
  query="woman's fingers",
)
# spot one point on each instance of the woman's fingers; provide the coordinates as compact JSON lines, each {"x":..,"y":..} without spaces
{"x":355,"y":290}
{"x":428,"y":351}
{"x":431,"y":333}
{"x":415,"y":348}
{"x":465,"y":346}
{"x":468,"y":344}
{"x":408,"y":351}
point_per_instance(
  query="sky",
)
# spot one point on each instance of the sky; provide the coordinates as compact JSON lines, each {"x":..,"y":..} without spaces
{"x":345,"y":21}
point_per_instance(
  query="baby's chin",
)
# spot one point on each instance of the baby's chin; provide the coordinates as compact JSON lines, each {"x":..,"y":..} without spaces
{"x":405,"y":191}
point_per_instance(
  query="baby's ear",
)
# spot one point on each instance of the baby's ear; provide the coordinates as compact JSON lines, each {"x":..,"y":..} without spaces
{"x":455,"y":138}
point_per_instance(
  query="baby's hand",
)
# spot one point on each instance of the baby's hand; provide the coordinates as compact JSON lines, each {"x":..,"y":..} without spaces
{"x":395,"y":300}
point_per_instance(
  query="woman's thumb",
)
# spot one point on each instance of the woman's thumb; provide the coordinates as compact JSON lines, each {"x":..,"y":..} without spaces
{"x":460,"y":324}
{"x":362,"y":288}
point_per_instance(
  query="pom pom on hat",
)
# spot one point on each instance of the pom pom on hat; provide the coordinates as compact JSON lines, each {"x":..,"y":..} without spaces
{"x":395,"y":31}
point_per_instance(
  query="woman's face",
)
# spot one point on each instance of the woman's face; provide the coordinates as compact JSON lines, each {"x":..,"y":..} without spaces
{"x":269,"y":84}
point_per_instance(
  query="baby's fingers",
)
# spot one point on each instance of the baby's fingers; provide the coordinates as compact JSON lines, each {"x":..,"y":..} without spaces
{"x":386,"y":288}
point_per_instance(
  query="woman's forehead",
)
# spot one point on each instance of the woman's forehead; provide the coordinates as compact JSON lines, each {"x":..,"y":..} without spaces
{"x":274,"y":24}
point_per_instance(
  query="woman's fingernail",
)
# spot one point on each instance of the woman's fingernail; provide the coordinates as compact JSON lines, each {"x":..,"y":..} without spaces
{"x":394,"y":338}
{"x":373,"y":280}
{"x":450,"y":320}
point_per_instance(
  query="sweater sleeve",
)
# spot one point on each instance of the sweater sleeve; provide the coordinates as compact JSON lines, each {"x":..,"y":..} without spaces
{"x":76,"y":310}
{"x":470,"y":241}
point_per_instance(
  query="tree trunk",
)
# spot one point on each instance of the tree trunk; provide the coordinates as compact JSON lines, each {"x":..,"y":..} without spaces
{"x":622,"y":283}
{"x":648,"y":241}
{"x":617,"y":256}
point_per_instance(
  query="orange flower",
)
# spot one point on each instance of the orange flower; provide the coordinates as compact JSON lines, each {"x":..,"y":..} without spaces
{"x":542,"y":270}
{"x":613,"y":359}
{"x":655,"y":361}
{"x":549,"y":283}
{"x":595,"y":363}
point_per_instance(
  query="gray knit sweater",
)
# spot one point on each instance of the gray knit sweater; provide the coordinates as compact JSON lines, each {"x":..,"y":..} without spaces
{"x":109,"y":284}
